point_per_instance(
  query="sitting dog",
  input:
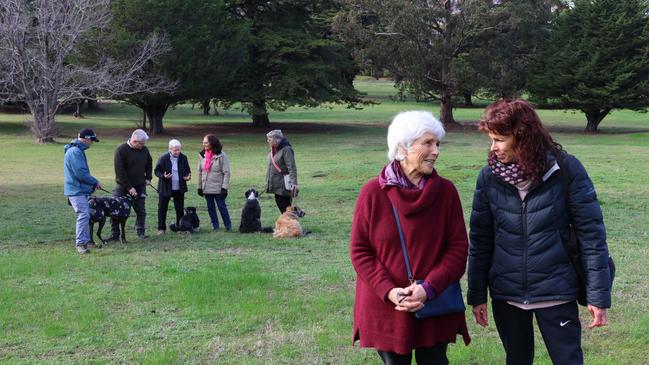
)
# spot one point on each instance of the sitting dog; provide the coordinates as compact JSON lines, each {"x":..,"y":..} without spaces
{"x":118,"y":208}
{"x":251,"y":214}
{"x":288,"y":224}
{"x":188,"y":223}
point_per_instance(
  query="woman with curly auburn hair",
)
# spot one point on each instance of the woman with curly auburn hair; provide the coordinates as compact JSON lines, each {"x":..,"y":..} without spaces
{"x":520,"y":222}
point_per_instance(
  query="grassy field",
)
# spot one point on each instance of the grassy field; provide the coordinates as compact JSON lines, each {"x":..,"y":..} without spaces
{"x":221,"y":297}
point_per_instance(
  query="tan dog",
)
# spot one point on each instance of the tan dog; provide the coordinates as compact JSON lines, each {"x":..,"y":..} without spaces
{"x":288,"y":224}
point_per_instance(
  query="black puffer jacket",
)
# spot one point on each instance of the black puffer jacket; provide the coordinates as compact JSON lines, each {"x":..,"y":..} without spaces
{"x":516,"y":246}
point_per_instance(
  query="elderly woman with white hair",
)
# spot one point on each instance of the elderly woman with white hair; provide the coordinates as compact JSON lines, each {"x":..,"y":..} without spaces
{"x":173,"y":172}
{"x":133,"y":165}
{"x":281,"y":175}
{"x":432,"y":223}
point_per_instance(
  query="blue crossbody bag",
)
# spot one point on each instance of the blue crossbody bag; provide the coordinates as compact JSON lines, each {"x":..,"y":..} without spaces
{"x":448,"y":302}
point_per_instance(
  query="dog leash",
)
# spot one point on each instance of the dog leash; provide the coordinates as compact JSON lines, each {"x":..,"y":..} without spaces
{"x":105,"y":191}
{"x":152,"y":187}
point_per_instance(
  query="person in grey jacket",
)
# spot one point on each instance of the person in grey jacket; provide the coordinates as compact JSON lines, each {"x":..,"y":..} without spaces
{"x":281,"y":175}
{"x":519,"y":222}
{"x":214,"y":180}
{"x":78,"y":184}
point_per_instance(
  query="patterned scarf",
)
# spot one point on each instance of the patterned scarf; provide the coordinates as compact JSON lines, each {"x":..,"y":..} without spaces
{"x":393,"y":175}
{"x":510,"y":173}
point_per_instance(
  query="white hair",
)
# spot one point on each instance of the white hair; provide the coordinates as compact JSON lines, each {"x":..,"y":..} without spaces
{"x":276,"y":135}
{"x":139,"y":135}
{"x":174,"y":143}
{"x":407,"y":127}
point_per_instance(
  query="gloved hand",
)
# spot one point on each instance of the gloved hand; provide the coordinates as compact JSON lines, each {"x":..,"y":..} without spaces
{"x":200,"y":192}
{"x":224,"y":193}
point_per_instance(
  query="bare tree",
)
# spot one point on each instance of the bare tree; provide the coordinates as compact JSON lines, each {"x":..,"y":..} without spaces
{"x":39,"y":58}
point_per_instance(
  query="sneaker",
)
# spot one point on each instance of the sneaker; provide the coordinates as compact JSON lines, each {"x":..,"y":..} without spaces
{"x":82,"y":249}
{"x":161,"y":232}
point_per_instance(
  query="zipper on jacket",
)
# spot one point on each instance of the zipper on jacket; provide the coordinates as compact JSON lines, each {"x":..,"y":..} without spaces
{"x":524,"y":217}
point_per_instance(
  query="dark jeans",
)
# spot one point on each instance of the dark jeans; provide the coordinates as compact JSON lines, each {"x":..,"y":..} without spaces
{"x":559,"y":326}
{"x":163,"y":204}
{"x":283,"y":202}
{"x":213,"y":201}
{"x":138,"y":206}
{"x":435,"y":355}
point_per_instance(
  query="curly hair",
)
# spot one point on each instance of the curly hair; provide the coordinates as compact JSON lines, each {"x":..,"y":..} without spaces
{"x":532,"y":141}
{"x":215,"y":144}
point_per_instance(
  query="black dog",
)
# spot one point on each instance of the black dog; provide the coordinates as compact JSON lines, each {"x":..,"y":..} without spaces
{"x":188,"y":223}
{"x":117,"y":208}
{"x":251,"y":214}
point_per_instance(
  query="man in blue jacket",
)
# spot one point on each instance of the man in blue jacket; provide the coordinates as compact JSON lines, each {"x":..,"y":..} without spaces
{"x":78,"y":184}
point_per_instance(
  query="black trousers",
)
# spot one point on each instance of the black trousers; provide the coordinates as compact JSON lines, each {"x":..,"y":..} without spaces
{"x":435,"y":355}
{"x":163,"y":204}
{"x":283,"y":202}
{"x":138,"y":206}
{"x":559,"y":326}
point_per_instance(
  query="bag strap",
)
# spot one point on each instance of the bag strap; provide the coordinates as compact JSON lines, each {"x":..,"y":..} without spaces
{"x":403,"y":242}
{"x":272,"y":160}
{"x":565,"y":182}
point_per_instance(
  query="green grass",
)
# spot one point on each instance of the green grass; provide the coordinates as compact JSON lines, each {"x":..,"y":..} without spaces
{"x":218,"y":297}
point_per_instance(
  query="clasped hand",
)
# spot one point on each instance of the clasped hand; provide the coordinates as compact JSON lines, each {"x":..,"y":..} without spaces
{"x":408,"y":299}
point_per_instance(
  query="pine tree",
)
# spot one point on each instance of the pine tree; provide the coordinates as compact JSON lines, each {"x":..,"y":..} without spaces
{"x":596,"y":60}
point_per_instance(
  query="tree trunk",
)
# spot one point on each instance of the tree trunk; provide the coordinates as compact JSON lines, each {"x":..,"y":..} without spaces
{"x":594,"y":117}
{"x":155,"y":113}
{"x":467,"y":99}
{"x":260,"y":114}
{"x":77,"y":112}
{"x":205,"y":103}
{"x":43,"y":124}
{"x":446,"y":106}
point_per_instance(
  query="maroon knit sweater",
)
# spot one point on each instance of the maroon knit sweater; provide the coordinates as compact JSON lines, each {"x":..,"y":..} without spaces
{"x":433,"y":225}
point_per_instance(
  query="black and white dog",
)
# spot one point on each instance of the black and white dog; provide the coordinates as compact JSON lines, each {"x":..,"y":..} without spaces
{"x":117,"y":208}
{"x":251,"y":214}
{"x":188,"y":223}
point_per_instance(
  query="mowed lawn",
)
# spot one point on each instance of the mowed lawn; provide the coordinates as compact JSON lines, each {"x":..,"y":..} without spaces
{"x":226,"y":298}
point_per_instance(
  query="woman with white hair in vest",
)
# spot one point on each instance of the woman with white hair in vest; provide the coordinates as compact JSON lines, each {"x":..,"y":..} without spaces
{"x":173,"y":172}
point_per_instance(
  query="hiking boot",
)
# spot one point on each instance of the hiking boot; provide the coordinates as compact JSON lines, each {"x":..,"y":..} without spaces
{"x":82,"y":249}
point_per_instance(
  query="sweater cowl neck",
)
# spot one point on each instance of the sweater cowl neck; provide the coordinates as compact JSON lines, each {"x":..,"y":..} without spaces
{"x":412,"y":201}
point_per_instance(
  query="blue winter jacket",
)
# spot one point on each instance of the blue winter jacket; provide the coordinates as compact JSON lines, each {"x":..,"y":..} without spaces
{"x":77,"y":179}
{"x":517,"y":248}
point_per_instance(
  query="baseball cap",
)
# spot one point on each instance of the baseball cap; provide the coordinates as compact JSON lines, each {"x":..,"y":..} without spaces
{"x":88,"y":134}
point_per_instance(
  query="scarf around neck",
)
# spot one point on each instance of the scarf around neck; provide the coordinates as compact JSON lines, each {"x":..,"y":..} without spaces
{"x":510,"y":173}
{"x":393,"y":175}
{"x":208,"y":160}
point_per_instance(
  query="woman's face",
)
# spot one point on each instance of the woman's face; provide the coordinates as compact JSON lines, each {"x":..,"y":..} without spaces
{"x":175,"y":151}
{"x":422,"y":154}
{"x":503,"y":147}
{"x":271,"y":142}
{"x":206,"y":144}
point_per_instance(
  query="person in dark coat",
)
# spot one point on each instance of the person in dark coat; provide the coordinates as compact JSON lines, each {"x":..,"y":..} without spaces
{"x":133,"y":165}
{"x":433,"y":224}
{"x":519,"y":223}
{"x":173,"y":172}
{"x":281,"y":170}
